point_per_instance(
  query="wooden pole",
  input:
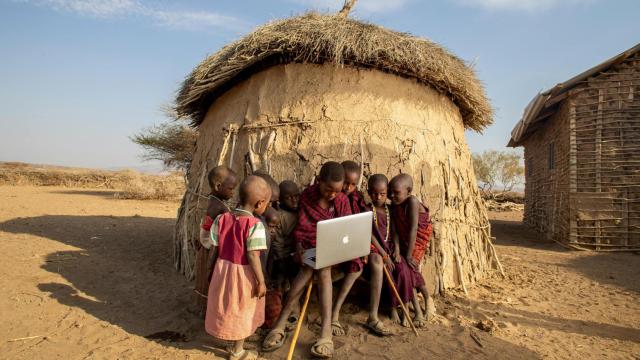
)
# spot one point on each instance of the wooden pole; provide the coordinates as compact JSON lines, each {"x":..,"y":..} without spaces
{"x":292,"y":347}
{"x":395,"y":292}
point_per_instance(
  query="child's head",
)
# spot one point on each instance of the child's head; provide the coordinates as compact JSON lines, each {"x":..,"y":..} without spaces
{"x":255,"y":194}
{"x":275,"y":189}
{"x":289,"y":195}
{"x":351,"y":176}
{"x":272,"y":220}
{"x":377,"y":188}
{"x":330,"y":180}
{"x":222,"y":181}
{"x":400,"y":188}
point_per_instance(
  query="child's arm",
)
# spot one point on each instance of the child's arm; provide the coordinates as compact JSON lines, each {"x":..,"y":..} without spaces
{"x":414,"y":210}
{"x":382,"y":253}
{"x":256,"y":242}
{"x":213,"y":256}
{"x":397,"y":258}
{"x":254,"y":261}
{"x":213,"y":236}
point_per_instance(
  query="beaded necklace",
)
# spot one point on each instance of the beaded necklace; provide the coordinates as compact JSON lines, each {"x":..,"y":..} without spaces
{"x":375,"y":220}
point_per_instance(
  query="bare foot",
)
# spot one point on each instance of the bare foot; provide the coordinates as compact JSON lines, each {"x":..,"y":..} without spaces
{"x":431,"y":309}
{"x":395,"y":317}
{"x":419,"y":322}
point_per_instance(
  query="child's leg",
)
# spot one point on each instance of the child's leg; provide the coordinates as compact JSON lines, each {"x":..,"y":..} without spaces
{"x":276,"y":336}
{"x":418,"y":320}
{"x":375,"y":263}
{"x":430,"y":307}
{"x":326,"y":294}
{"x":347,"y":283}
{"x":323,"y":347}
{"x":394,"y":315}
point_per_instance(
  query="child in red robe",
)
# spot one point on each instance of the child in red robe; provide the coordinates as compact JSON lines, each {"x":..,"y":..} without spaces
{"x":236,"y":303}
{"x":381,"y":245}
{"x":321,"y":201}
{"x":411,"y":240}
{"x":222,"y":181}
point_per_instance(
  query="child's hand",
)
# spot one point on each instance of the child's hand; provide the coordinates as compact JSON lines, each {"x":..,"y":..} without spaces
{"x":413,"y":263}
{"x":389,"y":264}
{"x":261,"y":290}
{"x":397,"y":258}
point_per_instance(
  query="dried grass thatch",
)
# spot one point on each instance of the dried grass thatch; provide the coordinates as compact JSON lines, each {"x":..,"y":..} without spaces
{"x":315,"y":38}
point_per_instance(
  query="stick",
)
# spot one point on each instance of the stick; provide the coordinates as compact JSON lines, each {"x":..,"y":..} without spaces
{"x":26,"y":338}
{"x":395,"y":292}
{"x":294,"y":340}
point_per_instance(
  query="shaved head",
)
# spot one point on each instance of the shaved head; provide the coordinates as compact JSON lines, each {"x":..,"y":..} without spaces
{"x":403,"y":180}
{"x":254,"y":189}
{"x":351,"y":167}
{"x":288,"y":187}
{"x":219,"y":174}
{"x":275,"y":189}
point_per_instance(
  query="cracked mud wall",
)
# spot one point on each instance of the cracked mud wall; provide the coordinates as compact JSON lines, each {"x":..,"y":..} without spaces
{"x":289,"y":119}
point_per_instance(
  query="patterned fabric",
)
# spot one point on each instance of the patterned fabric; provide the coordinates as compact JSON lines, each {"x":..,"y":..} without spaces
{"x":273,"y":307}
{"x":233,"y":312}
{"x":310,"y":213}
{"x":203,"y":254}
{"x":402,"y":225}
{"x":356,"y":201}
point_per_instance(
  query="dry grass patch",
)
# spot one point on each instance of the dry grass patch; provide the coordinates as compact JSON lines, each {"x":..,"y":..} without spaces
{"x":130,"y":184}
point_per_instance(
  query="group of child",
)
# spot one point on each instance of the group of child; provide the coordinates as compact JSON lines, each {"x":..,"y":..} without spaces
{"x":248,"y":255}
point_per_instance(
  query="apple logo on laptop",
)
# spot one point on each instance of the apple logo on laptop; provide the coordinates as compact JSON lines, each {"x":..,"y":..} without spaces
{"x":345,"y":239}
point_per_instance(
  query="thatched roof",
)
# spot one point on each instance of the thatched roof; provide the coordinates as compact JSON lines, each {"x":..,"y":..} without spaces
{"x":315,"y":38}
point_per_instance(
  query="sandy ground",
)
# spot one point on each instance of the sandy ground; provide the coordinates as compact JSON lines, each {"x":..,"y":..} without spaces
{"x":88,"y":276}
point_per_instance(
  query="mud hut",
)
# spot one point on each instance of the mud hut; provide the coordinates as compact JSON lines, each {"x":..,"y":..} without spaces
{"x":582,"y":165}
{"x":298,"y":92}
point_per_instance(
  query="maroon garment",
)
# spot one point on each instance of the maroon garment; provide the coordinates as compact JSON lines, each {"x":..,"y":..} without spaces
{"x":310,"y":213}
{"x":356,"y":201}
{"x":380,"y":231}
{"x":404,"y":276}
{"x":402,"y":225}
{"x":233,"y":232}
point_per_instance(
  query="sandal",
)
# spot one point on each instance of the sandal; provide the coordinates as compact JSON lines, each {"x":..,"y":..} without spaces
{"x":323,"y":348}
{"x":270,"y":344}
{"x":243,"y":355}
{"x":337,"y":329}
{"x":378,"y":328}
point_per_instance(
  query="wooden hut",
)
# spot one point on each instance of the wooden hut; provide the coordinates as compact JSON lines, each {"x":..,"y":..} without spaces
{"x":581,"y":144}
{"x":301,"y":91}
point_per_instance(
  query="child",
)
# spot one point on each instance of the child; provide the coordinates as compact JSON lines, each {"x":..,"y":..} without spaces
{"x":236,"y":304}
{"x":413,"y":230}
{"x":275,"y":190}
{"x":283,"y":247}
{"x":222,"y":181}
{"x":321,"y":201}
{"x":380,"y":248}
{"x":273,"y":299}
{"x":353,"y":268}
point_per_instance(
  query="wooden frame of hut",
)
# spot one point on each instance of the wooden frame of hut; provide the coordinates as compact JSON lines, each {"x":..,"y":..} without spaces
{"x":298,"y":92}
{"x":582,"y":167}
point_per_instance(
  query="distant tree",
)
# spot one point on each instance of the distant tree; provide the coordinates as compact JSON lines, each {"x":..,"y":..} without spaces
{"x":493,"y":167}
{"x":171,"y":142}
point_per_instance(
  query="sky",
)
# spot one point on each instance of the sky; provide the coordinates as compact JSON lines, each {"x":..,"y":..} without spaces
{"x":78,"y":77}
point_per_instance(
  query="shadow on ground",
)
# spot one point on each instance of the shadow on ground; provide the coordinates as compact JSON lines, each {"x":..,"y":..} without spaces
{"x":121,"y":272}
{"x":619,"y":269}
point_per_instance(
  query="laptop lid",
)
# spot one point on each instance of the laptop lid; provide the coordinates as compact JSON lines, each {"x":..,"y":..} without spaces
{"x":343,"y":239}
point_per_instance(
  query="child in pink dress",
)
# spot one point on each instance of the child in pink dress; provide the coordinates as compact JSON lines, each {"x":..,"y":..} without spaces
{"x":236,"y":303}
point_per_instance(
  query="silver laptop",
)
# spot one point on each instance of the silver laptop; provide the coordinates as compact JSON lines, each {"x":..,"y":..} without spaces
{"x":340,"y":239}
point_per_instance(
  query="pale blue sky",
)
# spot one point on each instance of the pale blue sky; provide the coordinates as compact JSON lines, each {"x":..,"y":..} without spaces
{"x":77,"y":77}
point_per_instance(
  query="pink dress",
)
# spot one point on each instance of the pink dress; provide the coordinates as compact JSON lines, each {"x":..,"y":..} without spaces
{"x":233,"y":312}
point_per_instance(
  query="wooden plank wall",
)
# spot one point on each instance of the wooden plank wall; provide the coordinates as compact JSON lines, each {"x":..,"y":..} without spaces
{"x":547,"y":189}
{"x":605,"y":203}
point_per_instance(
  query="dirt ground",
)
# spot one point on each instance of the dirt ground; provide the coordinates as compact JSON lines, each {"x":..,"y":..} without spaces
{"x":88,"y":276}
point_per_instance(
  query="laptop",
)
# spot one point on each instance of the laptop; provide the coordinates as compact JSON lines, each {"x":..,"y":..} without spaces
{"x":340,"y":239}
